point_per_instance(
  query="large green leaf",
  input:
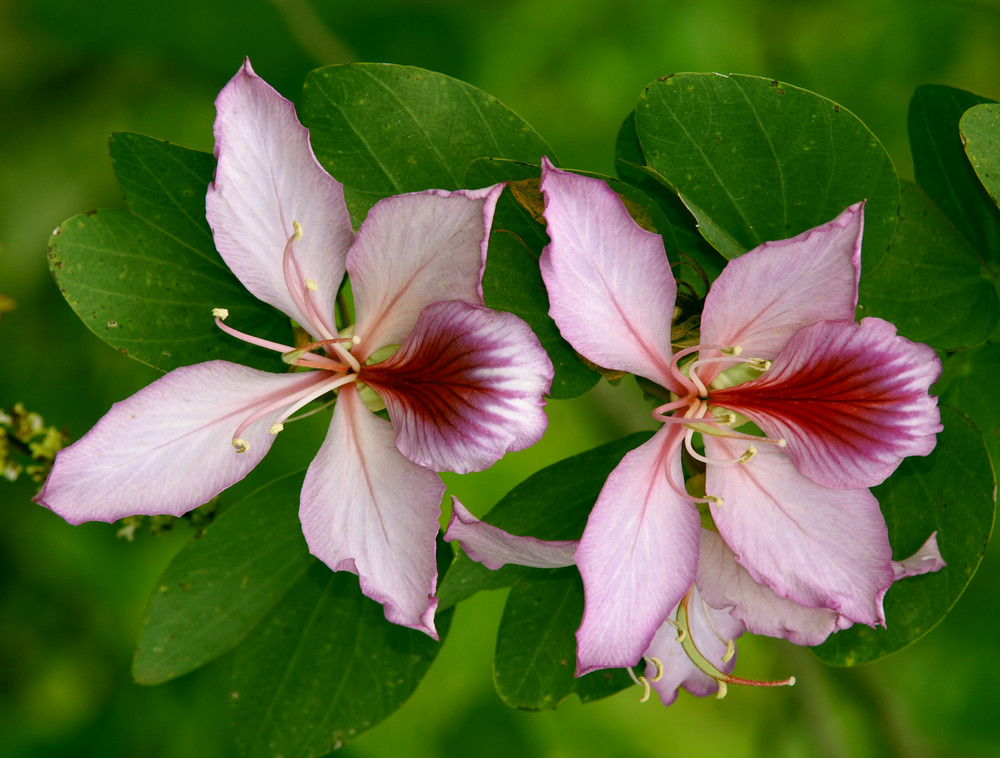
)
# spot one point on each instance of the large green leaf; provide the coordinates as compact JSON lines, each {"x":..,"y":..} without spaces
{"x":384,"y":129}
{"x":931,"y":284}
{"x":757,"y":160}
{"x":980,"y":127}
{"x":323,"y":667}
{"x":952,"y":492}
{"x":552,"y":504}
{"x":146,"y":280}
{"x":942,"y":169}
{"x":969,"y":382}
{"x":221,"y":584}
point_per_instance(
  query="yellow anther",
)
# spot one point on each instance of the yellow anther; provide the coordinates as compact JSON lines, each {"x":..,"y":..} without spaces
{"x":297,"y":233}
{"x":681,"y":634}
{"x":749,"y":453}
{"x":722,"y":690}
{"x":220,"y":313}
{"x":356,"y":340}
{"x":241,"y":445}
{"x":782,"y":442}
{"x":730,"y":651}
{"x":311,"y":285}
{"x":734,"y":350}
{"x":715,"y":500}
{"x":659,"y":668}
{"x":646,"y":689}
{"x":759,"y":363}
{"x":275,"y":428}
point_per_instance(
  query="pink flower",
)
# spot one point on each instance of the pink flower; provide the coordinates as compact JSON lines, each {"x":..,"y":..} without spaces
{"x":841,"y":403}
{"x":465,"y":385}
{"x":694,"y":647}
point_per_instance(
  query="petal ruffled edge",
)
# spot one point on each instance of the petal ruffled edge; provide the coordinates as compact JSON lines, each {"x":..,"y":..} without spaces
{"x":367,"y":509}
{"x":466,"y":387}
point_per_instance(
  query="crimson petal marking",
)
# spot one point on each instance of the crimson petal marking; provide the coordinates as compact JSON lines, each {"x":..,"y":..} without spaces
{"x":638,"y":555}
{"x":168,"y":448}
{"x":727,"y":585}
{"x":268,"y":178}
{"x":414,"y":250}
{"x":367,"y":509}
{"x":609,"y":282}
{"x":707,"y":625}
{"x":466,"y":387}
{"x":817,"y":546}
{"x":766,"y":295}
{"x":850,"y":400}
{"x":495,"y":548}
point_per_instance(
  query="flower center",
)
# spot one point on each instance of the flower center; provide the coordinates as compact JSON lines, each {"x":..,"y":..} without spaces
{"x":339,"y":365}
{"x":695,"y":414}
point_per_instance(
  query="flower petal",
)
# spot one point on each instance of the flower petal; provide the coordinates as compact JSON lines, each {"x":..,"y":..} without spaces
{"x":849,"y":399}
{"x":268,"y":178}
{"x":925,"y":561}
{"x":467,"y":386}
{"x":766,"y":295}
{"x":638,"y":555}
{"x":495,"y":548}
{"x":169,"y":447}
{"x":414,"y":250}
{"x":727,"y":585}
{"x":710,"y":630}
{"x":611,"y":292}
{"x":367,"y":509}
{"x":820,"y":547}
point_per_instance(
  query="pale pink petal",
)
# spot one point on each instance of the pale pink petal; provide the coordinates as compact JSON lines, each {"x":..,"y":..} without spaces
{"x":710,"y":630}
{"x":367,"y":509}
{"x":820,"y":547}
{"x":849,"y":399}
{"x":925,"y":561}
{"x":726,"y":585}
{"x":638,"y":555}
{"x":267,"y":178}
{"x":466,"y":387}
{"x":766,"y":295}
{"x":414,"y":250}
{"x":611,"y":292}
{"x":169,"y":447}
{"x":495,"y":548}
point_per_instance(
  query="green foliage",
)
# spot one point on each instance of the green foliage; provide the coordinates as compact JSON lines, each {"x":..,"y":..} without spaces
{"x":146,"y":280}
{"x":384,"y":130}
{"x":980,"y":127}
{"x":756,"y":160}
{"x":952,"y":493}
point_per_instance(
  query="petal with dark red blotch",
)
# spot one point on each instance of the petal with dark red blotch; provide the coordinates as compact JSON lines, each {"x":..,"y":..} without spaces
{"x":466,"y":387}
{"x":851,"y":401}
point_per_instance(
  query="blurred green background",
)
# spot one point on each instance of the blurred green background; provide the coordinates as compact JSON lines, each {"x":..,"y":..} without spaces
{"x":71,"y":597}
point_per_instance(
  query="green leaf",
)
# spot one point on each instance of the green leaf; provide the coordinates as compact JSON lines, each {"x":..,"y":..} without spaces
{"x":980,"y":127}
{"x":952,"y":492}
{"x":971,"y":385}
{"x":385,"y":129}
{"x":146,"y":280}
{"x":536,"y":644}
{"x":758,"y":160}
{"x":931,"y":284}
{"x":536,"y":648}
{"x":552,"y":504}
{"x":323,"y":667}
{"x":942,"y":169}
{"x":220,"y":585}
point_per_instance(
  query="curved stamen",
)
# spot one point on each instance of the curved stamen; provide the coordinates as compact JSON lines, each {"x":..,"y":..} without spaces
{"x":706,"y":666}
{"x":293,"y":402}
{"x":679,"y":489}
{"x":297,"y":287}
{"x":749,"y":453}
{"x":642,"y":681}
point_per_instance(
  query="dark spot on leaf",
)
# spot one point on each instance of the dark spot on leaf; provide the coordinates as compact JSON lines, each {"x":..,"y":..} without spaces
{"x":90,"y":212}
{"x":184,"y":585}
{"x":836,"y":108}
